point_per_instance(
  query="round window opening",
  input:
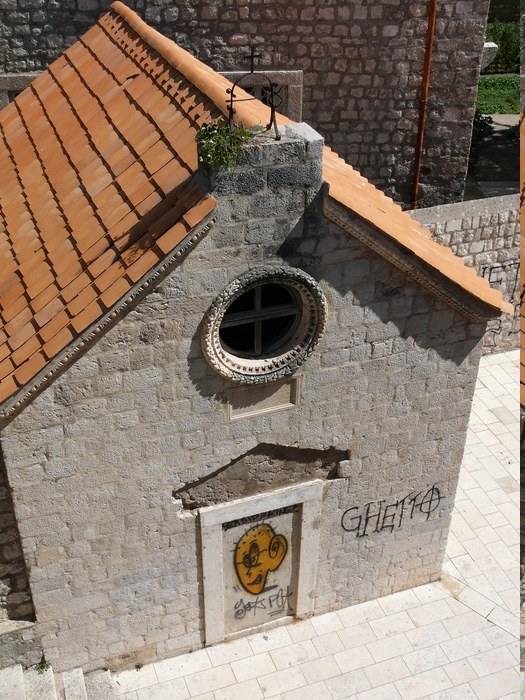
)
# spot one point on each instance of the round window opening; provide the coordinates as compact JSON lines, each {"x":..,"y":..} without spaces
{"x":261,"y":321}
{"x":264,"y":325}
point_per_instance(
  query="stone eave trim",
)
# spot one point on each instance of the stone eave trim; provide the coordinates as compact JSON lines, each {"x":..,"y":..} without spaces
{"x":15,"y":403}
{"x":404,"y":259}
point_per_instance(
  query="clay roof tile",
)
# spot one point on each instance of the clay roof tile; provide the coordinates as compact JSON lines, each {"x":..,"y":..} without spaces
{"x":58,"y":342}
{"x":96,"y":165}
{"x":30,"y":367}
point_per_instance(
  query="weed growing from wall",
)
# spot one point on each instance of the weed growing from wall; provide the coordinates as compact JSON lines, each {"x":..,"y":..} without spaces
{"x":218,"y":145}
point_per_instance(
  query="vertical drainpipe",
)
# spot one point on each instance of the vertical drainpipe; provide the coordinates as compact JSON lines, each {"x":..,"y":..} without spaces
{"x":423,"y":102}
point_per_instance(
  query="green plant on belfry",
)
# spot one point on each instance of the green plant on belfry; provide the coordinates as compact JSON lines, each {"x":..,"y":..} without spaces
{"x":219,"y":146}
{"x":42,"y":666}
{"x":138,"y":666}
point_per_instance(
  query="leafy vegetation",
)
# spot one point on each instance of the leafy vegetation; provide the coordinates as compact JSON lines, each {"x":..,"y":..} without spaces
{"x":499,"y":95}
{"x":42,"y":667}
{"x":483,"y":125}
{"x":219,"y":146}
{"x":507,"y":36}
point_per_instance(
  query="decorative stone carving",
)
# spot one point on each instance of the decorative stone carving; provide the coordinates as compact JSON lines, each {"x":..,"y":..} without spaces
{"x":279,"y":364}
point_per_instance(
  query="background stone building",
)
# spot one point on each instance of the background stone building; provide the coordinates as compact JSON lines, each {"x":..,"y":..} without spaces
{"x":361,"y":64}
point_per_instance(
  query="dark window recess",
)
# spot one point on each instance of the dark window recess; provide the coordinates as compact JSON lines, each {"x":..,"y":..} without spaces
{"x":261,"y":321}
{"x":263,"y":93}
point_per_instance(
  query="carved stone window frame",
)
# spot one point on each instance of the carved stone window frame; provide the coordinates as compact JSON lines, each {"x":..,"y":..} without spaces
{"x":309,"y":497}
{"x":280,"y":364}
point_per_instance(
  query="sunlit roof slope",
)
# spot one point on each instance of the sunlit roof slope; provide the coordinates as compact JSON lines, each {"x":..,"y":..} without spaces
{"x":346,"y":185}
{"x":96,"y":165}
{"x":97,"y":159}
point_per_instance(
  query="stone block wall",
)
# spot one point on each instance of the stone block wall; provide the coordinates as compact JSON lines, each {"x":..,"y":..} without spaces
{"x":486,"y":234}
{"x":362,"y":63}
{"x":15,"y":598}
{"x":97,"y":460}
{"x":17,"y":629}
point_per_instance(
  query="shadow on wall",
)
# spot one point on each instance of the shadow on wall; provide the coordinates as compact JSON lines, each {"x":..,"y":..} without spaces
{"x":381,"y":310}
{"x":15,"y":596}
{"x":261,"y":470}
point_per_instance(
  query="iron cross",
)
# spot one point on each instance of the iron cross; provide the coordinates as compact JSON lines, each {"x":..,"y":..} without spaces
{"x":252,"y":57}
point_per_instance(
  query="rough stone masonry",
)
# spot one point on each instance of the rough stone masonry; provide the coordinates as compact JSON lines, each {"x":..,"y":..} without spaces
{"x":362,"y":63}
{"x":486,"y":234}
{"x":114,"y":559}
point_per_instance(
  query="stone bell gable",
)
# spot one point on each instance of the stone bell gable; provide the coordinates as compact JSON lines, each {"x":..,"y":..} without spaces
{"x":354,"y":69}
{"x":229,"y":399}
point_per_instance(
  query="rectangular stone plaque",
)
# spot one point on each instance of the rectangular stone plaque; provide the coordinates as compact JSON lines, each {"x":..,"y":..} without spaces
{"x":263,"y":398}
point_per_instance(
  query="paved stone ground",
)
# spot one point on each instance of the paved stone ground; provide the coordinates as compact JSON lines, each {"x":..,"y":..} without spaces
{"x":455,"y":639}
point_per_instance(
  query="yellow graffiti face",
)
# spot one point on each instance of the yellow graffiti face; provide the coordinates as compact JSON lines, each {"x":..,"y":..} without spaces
{"x":258,"y":551}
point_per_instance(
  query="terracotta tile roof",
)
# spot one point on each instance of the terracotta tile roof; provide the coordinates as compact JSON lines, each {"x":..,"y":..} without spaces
{"x":522,"y":259}
{"x":96,"y":165}
{"x":346,"y":185}
{"x":353,"y":191}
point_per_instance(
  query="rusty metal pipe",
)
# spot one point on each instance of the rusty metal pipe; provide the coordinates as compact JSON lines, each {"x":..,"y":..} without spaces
{"x":423,"y":101}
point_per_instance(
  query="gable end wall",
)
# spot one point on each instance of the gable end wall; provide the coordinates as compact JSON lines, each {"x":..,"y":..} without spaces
{"x":115,"y":568}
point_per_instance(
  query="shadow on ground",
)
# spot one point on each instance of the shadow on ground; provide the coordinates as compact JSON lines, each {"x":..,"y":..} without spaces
{"x":494,"y":164}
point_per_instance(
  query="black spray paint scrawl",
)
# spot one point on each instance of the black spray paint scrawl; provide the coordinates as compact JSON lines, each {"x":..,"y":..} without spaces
{"x":378,"y":516}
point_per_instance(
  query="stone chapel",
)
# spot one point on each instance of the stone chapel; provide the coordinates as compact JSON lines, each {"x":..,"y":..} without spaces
{"x":227,"y":400}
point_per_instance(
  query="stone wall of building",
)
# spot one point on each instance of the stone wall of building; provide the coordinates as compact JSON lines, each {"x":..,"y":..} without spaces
{"x":99,"y":461}
{"x":15,"y":599}
{"x":362,"y":64}
{"x":17,"y":631}
{"x":486,"y":234}
{"x":21,"y":642}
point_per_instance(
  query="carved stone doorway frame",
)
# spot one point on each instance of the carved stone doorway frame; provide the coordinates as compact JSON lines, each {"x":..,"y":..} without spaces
{"x":309,"y":497}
